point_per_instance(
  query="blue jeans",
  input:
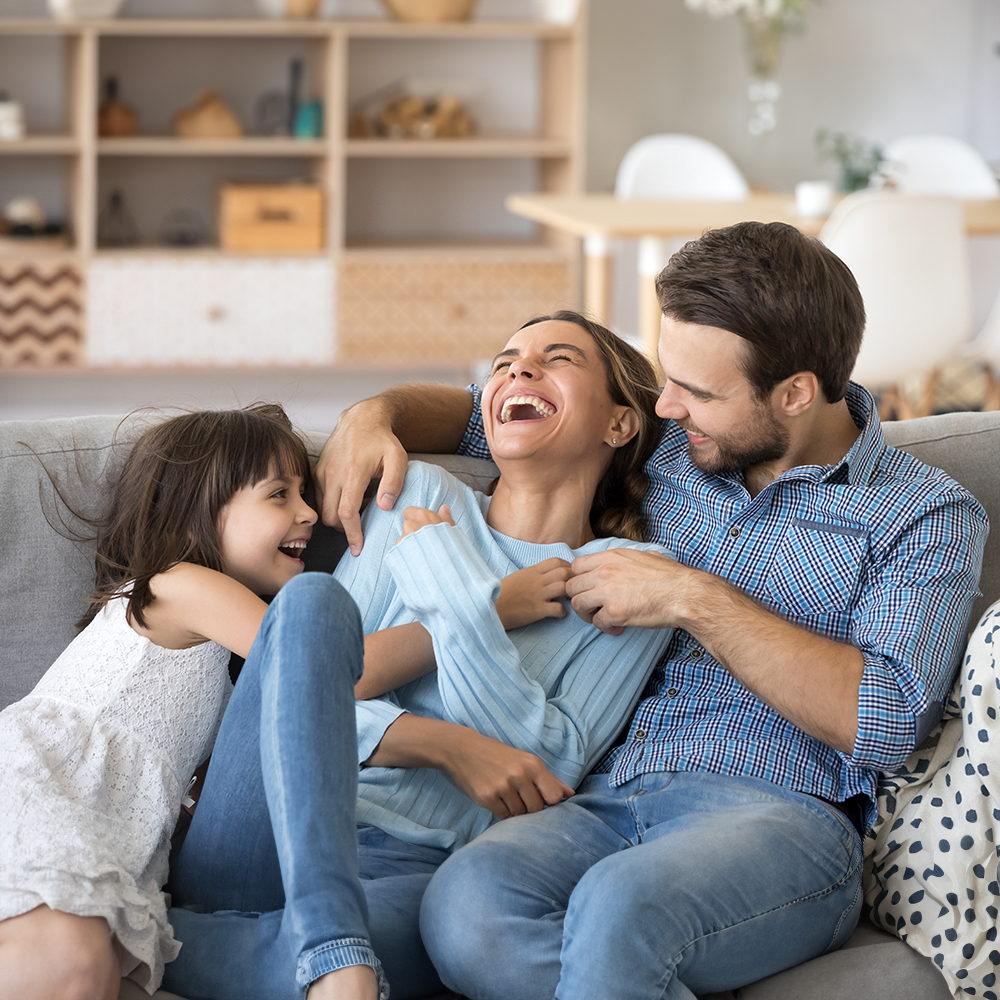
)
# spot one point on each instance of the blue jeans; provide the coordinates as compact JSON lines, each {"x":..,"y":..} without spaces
{"x":267,"y":891}
{"x":672,"y":885}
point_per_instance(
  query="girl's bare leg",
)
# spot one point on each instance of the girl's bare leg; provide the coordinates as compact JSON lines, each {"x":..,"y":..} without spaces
{"x":355,"y":982}
{"x":46,"y":954}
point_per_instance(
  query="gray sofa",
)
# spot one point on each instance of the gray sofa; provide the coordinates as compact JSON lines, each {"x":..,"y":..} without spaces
{"x":44,"y":576}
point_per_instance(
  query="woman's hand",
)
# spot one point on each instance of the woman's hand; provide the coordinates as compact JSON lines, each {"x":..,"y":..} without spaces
{"x":498,"y":777}
{"x":507,"y":781}
{"x":533,"y":593}
{"x":415,"y":518}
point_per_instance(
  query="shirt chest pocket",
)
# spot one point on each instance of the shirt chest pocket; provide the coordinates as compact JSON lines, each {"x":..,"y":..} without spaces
{"x":817,"y":567}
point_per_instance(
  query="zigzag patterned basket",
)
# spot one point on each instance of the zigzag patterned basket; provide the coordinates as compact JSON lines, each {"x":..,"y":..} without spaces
{"x":40,"y":315}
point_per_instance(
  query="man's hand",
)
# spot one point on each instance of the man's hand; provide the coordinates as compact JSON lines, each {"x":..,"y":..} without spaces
{"x":361,"y":447}
{"x":415,"y":518}
{"x":506,"y":781}
{"x":533,"y":593}
{"x":623,"y":587}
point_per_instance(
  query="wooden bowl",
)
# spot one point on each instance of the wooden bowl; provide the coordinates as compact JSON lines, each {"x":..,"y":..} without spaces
{"x":431,"y":11}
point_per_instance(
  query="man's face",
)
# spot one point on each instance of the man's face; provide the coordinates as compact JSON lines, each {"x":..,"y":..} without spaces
{"x":729,"y":430}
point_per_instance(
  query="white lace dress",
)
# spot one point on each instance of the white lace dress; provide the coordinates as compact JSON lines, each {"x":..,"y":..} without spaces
{"x":93,"y":766}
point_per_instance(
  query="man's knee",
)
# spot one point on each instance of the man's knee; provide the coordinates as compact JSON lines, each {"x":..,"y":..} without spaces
{"x":455,"y":914}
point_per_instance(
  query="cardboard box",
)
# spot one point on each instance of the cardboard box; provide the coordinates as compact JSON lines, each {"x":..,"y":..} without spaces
{"x":269,"y":217}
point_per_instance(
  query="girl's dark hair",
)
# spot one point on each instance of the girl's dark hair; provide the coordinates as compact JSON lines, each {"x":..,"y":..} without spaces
{"x":166,"y":503}
{"x":617,"y":508}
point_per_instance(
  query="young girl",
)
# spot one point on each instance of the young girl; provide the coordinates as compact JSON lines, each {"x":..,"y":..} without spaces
{"x":570,"y":421}
{"x":207,"y":514}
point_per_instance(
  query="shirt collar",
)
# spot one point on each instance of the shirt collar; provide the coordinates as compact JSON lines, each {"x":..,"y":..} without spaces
{"x":858,"y":466}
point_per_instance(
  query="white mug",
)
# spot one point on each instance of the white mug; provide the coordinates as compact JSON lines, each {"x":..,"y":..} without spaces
{"x":11,"y":120}
{"x":813,"y":197}
{"x":558,"y":11}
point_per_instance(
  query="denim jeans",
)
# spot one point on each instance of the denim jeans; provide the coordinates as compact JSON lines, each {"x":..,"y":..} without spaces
{"x":671,"y":885}
{"x":267,"y":890}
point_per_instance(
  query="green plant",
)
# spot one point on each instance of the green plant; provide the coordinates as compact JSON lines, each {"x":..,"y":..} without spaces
{"x":859,"y":159}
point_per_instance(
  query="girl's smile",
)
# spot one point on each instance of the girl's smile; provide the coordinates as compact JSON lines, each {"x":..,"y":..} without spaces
{"x":264,"y":530}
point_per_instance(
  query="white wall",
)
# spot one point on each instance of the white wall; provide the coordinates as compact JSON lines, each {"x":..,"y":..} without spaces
{"x":879,"y":68}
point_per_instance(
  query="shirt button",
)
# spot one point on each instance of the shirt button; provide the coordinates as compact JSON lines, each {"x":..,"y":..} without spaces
{"x":640,"y":734}
{"x":697,"y":653}
{"x":735,"y":532}
{"x":672,"y":692}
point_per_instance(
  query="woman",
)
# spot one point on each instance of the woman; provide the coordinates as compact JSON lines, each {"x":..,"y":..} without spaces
{"x":569,"y":416}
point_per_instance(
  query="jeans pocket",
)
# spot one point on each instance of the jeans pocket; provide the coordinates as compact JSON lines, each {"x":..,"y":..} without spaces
{"x":817,"y":567}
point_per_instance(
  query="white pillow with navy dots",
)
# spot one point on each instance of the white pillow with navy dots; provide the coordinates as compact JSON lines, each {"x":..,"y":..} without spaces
{"x":931,"y":874}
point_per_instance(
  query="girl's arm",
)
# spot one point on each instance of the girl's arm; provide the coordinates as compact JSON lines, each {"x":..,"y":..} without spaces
{"x":394,"y":657}
{"x":193,"y":604}
{"x":584,"y":689}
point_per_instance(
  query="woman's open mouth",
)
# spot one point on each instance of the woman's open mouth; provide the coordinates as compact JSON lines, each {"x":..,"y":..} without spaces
{"x":525,"y":407}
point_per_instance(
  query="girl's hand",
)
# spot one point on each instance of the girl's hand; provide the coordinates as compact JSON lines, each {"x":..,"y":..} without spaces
{"x":533,"y":593}
{"x":415,"y":518}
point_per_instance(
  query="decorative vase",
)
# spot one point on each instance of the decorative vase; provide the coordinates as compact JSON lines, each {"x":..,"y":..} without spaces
{"x":764,"y":37}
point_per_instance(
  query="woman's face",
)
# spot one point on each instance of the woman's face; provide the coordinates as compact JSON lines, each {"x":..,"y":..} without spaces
{"x":548,"y":397}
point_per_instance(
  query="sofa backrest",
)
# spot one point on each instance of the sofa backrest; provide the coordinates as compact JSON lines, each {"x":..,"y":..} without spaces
{"x":45,"y":576}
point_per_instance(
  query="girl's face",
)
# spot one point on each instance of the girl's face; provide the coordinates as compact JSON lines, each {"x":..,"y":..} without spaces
{"x":263,"y":531}
{"x":548,"y":394}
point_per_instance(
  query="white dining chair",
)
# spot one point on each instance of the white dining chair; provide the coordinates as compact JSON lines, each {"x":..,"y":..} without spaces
{"x":910,"y":258}
{"x":939,"y":164}
{"x":670,"y":166}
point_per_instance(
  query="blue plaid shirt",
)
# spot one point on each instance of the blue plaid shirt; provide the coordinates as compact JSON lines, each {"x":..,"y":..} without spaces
{"x":879,"y":551}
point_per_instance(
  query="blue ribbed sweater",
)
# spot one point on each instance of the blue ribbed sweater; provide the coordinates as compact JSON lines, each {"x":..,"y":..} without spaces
{"x":559,"y":688}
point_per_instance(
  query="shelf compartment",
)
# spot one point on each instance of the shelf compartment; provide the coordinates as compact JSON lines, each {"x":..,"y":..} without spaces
{"x":454,"y":304}
{"x":165,"y":311}
{"x":167,"y":145}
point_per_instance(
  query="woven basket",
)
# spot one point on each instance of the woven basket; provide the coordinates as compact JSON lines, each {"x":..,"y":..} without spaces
{"x":431,"y":10}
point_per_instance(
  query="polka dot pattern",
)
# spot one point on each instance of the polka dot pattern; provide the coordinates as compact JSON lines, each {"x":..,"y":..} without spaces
{"x":931,"y":874}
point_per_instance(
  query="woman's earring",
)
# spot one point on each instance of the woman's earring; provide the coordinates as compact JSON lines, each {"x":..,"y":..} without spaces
{"x":614,"y":440}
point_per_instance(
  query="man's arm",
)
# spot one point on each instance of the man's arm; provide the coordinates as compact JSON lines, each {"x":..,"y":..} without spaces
{"x":372,"y":438}
{"x":774,"y":659}
{"x":506,"y":781}
{"x":872,"y":699}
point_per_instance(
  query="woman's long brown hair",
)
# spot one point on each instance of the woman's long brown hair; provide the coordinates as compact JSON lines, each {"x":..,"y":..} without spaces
{"x":166,"y":503}
{"x":617,"y":508}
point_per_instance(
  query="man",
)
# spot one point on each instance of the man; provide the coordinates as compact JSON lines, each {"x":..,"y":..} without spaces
{"x":820,"y":588}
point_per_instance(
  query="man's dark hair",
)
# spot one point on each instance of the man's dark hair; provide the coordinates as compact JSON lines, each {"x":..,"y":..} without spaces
{"x":793,"y":301}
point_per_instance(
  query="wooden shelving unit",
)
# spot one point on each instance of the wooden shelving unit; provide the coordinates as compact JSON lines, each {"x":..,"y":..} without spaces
{"x":391,"y":297}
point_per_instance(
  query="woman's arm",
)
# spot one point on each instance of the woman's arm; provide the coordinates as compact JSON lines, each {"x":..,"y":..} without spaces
{"x":497,"y":777}
{"x":582,"y":685}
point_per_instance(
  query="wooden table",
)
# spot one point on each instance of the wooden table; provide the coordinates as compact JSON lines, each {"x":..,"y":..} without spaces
{"x":598,"y":218}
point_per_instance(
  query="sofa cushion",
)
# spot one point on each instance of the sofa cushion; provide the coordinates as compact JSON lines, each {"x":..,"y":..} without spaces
{"x":967,"y":447}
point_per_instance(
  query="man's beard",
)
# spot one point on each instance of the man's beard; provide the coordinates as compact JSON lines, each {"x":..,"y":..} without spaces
{"x":765,"y":440}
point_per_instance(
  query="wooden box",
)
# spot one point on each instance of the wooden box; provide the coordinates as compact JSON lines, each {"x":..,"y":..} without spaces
{"x":270,"y":217}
